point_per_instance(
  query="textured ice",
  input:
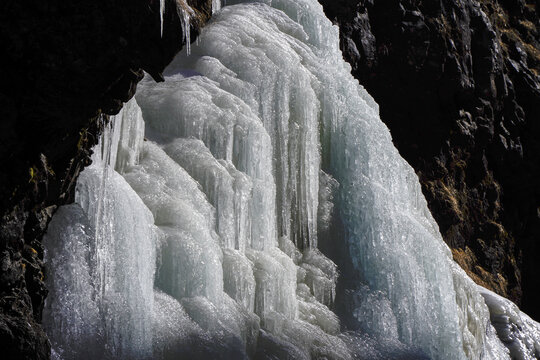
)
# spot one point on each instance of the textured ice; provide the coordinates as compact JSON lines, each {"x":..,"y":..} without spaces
{"x":265,"y":215}
{"x":73,"y":324}
{"x":111,"y":245}
{"x":517,"y":330}
{"x":131,"y":136}
{"x":190,"y":253}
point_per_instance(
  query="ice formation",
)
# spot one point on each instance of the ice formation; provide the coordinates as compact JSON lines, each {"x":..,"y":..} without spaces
{"x":216,"y":6}
{"x":266,"y":216}
{"x":185,"y":13}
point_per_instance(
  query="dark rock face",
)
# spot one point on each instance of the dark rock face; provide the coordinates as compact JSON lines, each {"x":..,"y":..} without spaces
{"x":66,"y":65}
{"x":458,"y":86}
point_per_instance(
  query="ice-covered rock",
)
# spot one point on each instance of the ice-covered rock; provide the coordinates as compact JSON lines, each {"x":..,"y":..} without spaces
{"x":265,"y":167}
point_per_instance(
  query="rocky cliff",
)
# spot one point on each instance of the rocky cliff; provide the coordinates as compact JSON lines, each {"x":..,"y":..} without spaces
{"x":458,"y":85}
{"x":66,"y":66}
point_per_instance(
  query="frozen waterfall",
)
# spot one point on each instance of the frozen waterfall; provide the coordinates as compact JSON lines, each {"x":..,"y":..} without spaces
{"x":253,"y":206}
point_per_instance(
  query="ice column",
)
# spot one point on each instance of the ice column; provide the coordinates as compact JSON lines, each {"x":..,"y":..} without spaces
{"x":111,"y":245}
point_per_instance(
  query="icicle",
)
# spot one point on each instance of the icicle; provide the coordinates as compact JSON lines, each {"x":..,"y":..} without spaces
{"x":216,"y":6}
{"x":161,"y":12}
{"x":185,"y":12}
{"x":104,"y":156}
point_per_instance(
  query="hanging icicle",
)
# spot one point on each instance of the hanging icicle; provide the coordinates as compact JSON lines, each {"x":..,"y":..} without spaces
{"x":216,"y":6}
{"x":185,"y":12}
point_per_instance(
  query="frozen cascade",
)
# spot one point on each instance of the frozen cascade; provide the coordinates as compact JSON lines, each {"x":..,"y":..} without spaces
{"x":266,"y":177}
{"x":103,"y":280}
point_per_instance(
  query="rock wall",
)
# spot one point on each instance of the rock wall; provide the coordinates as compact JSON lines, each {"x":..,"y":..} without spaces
{"x":66,"y":65}
{"x":458,"y":86}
